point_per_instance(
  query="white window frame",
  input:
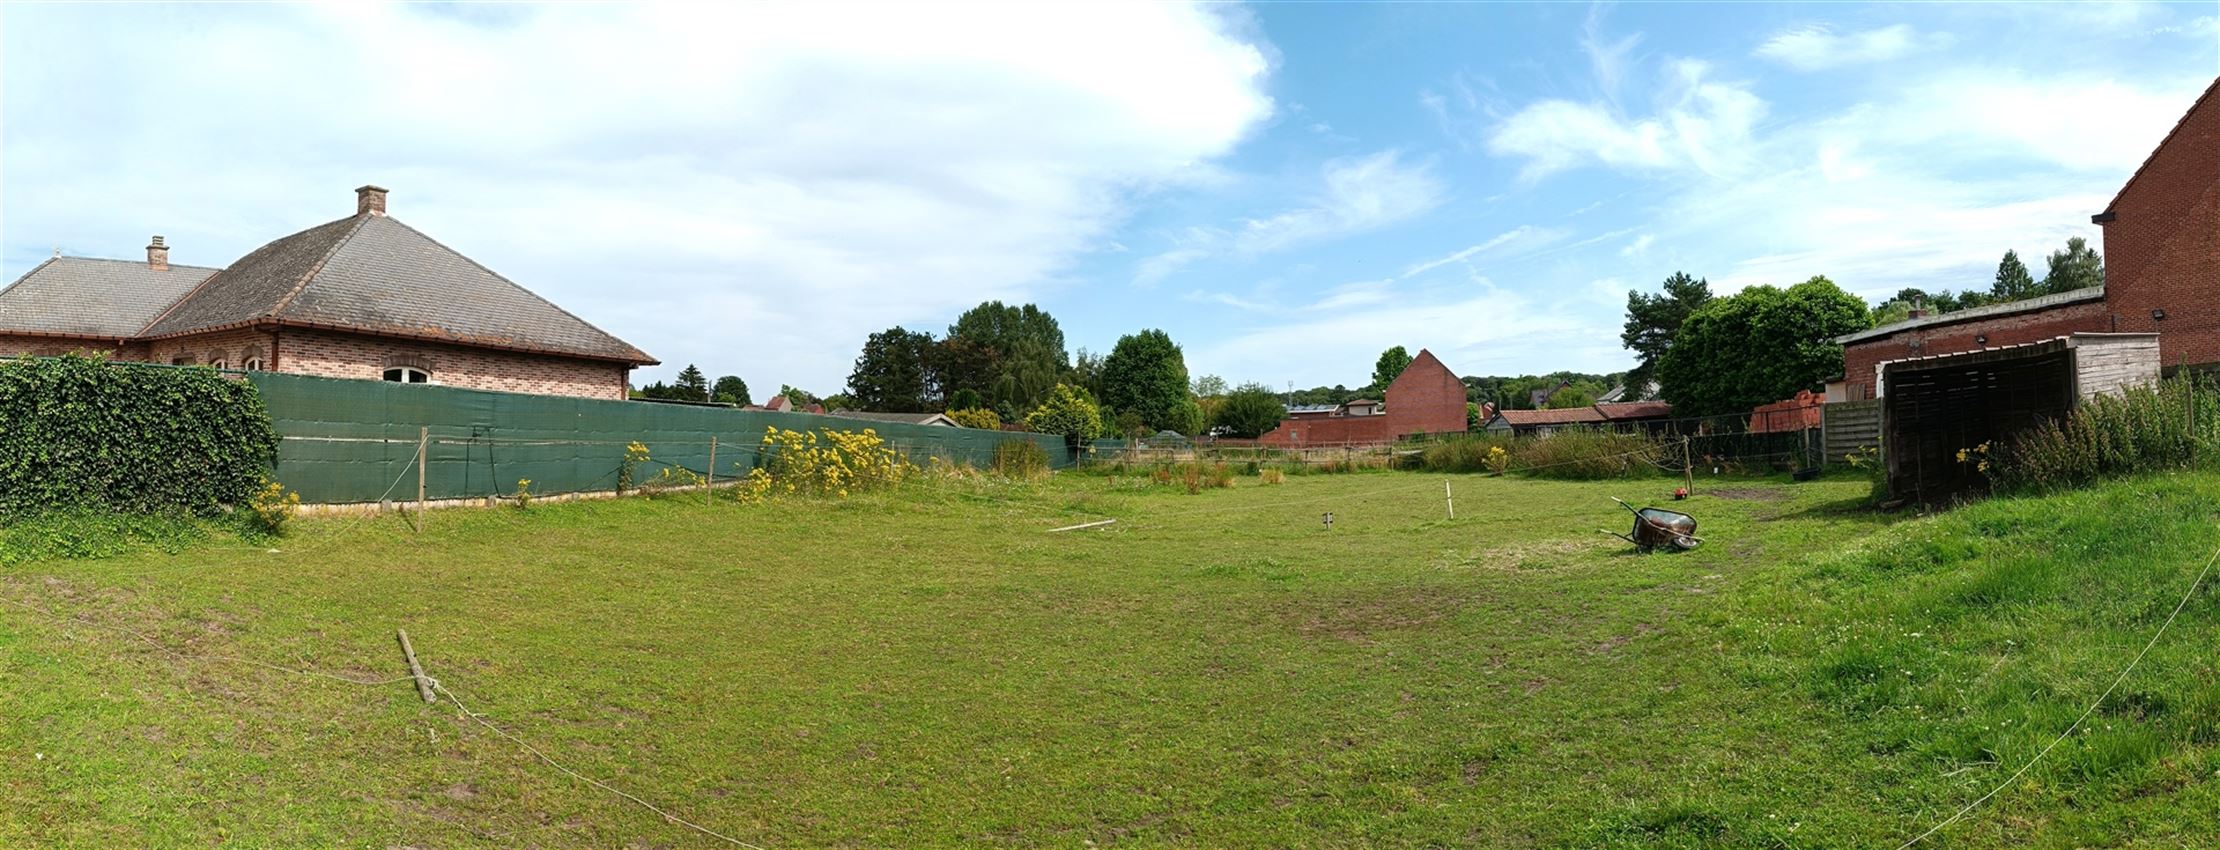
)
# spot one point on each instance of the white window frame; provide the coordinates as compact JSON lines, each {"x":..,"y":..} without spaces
{"x":422,"y":376}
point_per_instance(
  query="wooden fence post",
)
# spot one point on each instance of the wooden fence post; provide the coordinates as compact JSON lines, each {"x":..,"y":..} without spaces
{"x":709,"y":490}
{"x":1688,"y":464}
{"x":423,"y":446}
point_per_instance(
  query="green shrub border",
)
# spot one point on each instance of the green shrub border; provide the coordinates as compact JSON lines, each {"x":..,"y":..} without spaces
{"x":81,"y":432}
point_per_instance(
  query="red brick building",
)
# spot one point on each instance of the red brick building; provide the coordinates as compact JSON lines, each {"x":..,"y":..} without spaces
{"x":1426,"y":398}
{"x":362,"y":297}
{"x":2162,"y":242}
{"x":2162,"y":272}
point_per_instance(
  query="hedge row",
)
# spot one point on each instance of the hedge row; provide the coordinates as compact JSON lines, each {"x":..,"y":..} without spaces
{"x":82,"y":432}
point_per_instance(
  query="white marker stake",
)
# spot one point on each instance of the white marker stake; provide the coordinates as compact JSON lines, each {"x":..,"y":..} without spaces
{"x":1449,"y":497}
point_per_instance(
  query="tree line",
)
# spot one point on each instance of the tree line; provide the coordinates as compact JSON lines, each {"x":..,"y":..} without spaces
{"x":1711,"y":355}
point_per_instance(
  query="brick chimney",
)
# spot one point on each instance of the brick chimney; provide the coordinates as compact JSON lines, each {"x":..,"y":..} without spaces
{"x":370,"y":199}
{"x":158,"y":255}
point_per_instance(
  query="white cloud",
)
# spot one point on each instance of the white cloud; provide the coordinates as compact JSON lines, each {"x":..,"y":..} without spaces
{"x":1357,"y":194}
{"x":1474,"y":330}
{"x":1525,"y":237}
{"x":2102,"y":125}
{"x":1699,"y":123}
{"x":1638,"y":247}
{"x":749,"y":186}
{"x":1818,"y":47}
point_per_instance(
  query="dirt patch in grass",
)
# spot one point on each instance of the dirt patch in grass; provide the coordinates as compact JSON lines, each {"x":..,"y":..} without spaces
{"x":1364,"y":619}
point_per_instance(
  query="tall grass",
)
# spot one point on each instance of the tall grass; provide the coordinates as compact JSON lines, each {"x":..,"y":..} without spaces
{"x":1581,"y":454}
{"x":2169,"y":425}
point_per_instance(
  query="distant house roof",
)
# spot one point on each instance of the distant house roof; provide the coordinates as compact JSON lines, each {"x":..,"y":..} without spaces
{"x":906,"y":418}
{"x":1565,"y":416}
{"x":1625,"y":410}
{"x":779,"y":403}
{"x":1357,"y":401}
{"x":371,"y":273}
{"x":85,"y":297}
{"x":1311,"y":408}
{"x":2092,"y":293}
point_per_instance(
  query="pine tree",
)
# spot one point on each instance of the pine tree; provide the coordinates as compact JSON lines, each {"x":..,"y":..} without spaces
{"x":2012,"y":280}
{"x":690,"y":385}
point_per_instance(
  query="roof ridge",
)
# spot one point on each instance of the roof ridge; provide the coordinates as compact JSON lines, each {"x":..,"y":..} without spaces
{"x":131,"y":262}
{"x":187,"y":296}
{"x":27,"y":275}
{"x":2170,"y":134}
{"x":313,"y":270}
{"x":521,"y":288}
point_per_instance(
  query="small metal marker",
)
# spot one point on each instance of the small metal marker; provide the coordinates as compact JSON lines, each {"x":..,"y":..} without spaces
{"x":1329,"y":519}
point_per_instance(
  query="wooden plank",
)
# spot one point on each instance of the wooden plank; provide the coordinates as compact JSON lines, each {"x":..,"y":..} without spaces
{"x":423,"y":684}
{"x":1083,"y":525}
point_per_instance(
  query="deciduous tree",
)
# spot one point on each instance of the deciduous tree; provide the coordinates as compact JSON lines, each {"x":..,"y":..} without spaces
{"x":1067,"y":411}
{"x":730,"y":390}
{"x":1146,"y":375}
{"x":2076,"y":267}
{"x":1757,"y":346}
{"x":1249,"y":411}
{"x":1392,"y":362}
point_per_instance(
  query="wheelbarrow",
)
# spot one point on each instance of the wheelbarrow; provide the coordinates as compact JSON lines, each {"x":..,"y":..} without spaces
{"x":1657,"y":528}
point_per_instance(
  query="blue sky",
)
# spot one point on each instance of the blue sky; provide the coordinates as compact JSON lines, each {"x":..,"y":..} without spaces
{"x":1287,"y":189}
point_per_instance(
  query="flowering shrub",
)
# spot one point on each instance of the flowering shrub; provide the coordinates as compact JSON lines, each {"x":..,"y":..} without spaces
{"x":825,"y":463}
{"x":635,"y":453}
{"x":523,"y":493}
{"x":671,"y":478}
{"x":272,"y":506}
{"x":977,"y":417}
{"x":1497,"y":460}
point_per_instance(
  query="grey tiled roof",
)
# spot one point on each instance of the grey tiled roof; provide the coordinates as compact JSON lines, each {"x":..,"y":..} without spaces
{"x":375,"y":274}
{"x":95,"y":298}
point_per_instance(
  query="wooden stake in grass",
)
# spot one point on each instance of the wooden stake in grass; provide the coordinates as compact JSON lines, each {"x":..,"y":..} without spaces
{"x":423,"y":684}
{"x":423,"y":442}
{"x":1449,"y":498}
{"x":709,"y":490}
{"x":1688,"y":465}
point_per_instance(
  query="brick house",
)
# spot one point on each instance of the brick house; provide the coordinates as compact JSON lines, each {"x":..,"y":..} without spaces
{"x":2162,"y":273}
{"x":364,"y":297}
{"x":1426,"y":398}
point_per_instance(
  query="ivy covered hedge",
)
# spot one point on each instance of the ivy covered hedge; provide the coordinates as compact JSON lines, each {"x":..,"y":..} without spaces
{"x":80,"y":432}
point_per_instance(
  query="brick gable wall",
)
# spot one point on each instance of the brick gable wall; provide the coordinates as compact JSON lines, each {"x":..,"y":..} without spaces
{"x":2173,"y":266}
{"x":1426,"y":399}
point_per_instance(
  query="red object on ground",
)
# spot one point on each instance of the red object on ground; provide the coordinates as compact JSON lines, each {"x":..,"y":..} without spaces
{"x":1680,"y":493}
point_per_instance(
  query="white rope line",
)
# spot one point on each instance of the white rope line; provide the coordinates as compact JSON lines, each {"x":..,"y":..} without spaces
{"x":2092,"y":709}
{"x":535,"y":751}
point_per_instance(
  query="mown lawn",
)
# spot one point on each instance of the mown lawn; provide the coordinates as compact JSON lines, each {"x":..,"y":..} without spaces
{"x":932,"y":669}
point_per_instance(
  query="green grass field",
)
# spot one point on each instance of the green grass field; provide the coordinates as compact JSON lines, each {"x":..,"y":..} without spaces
{"x":931,"y":668}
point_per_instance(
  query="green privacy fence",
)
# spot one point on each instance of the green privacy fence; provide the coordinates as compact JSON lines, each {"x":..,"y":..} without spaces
{"x":356,"y":441}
